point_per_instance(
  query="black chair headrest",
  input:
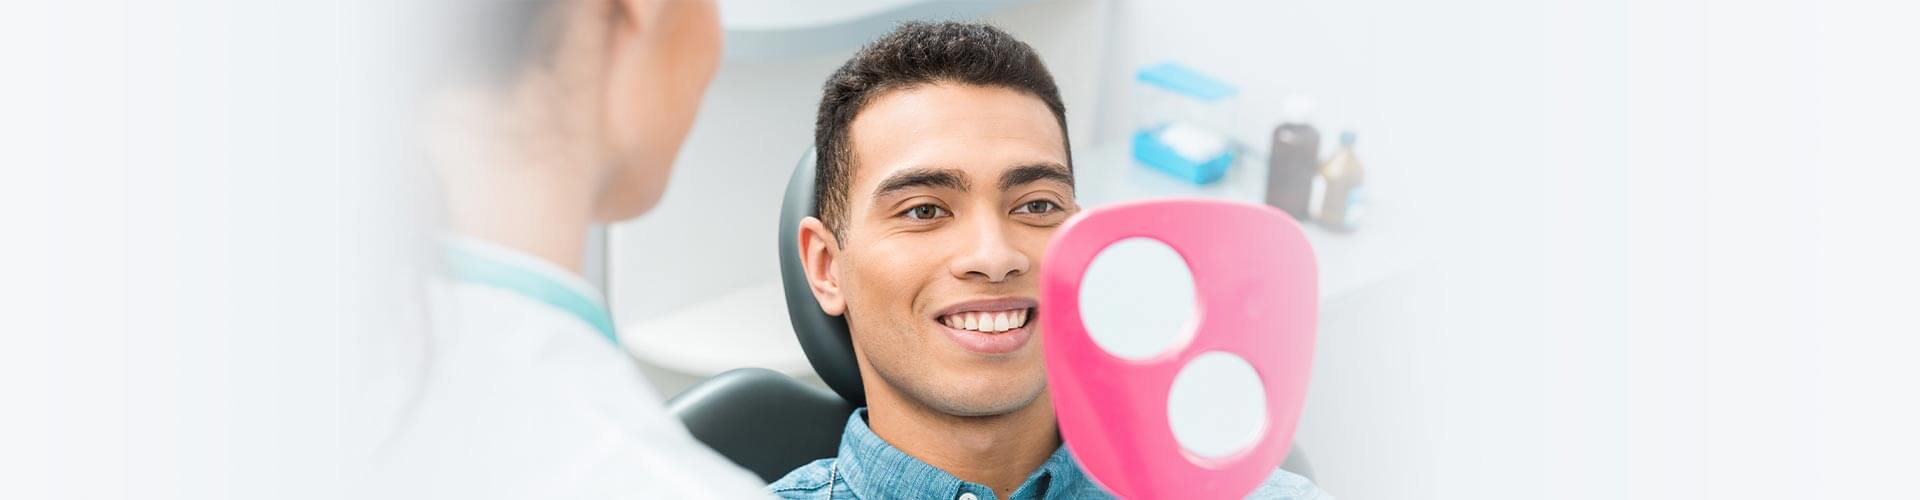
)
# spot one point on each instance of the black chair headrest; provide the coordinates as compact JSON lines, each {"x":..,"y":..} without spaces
{"x":823,"y":337}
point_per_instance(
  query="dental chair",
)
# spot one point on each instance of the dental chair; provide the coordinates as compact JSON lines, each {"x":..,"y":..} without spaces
{"x":770,"y":423}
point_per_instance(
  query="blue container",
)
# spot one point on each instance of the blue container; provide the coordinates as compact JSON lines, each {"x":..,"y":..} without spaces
{"x":1168,"y":93}
{"x":1148,"y":149}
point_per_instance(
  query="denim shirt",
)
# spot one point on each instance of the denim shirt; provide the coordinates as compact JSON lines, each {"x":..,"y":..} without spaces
{"x":868,"y":467}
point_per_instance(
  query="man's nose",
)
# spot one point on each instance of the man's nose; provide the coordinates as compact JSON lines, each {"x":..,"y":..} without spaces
{"x":989,"y":254}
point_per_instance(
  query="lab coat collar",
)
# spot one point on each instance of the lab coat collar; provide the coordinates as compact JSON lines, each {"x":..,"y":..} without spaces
{"x":479,"y":262}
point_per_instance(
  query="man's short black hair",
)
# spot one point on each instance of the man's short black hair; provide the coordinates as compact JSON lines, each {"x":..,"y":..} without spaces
{"x":913,"y":54}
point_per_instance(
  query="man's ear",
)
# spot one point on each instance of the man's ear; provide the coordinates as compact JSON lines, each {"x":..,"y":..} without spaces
{"x":819,"y":253}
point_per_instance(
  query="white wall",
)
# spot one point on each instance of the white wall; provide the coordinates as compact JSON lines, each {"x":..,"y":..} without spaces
{"x":1638,"y":287}
{"x":713,"y":231}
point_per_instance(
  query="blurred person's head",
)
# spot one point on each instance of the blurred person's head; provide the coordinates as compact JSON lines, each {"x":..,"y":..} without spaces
{"x":587,"y":100}
{"x":942,"y":171}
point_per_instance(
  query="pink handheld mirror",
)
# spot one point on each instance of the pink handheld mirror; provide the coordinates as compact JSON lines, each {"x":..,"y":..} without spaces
{"x":1255,"y":296}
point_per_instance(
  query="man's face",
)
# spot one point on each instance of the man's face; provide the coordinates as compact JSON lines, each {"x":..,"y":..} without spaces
{"x":954,"y":193}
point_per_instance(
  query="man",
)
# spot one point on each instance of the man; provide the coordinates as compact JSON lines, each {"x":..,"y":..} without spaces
{"x":943,"y":170}
{"x":520,"y":388}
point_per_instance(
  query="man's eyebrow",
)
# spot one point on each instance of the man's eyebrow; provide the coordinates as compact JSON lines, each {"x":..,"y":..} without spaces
{"x":921,"y":177}
{"x":1037,"y":172}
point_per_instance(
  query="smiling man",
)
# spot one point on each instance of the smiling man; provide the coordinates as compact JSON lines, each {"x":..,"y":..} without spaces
{"x":943,"y":170}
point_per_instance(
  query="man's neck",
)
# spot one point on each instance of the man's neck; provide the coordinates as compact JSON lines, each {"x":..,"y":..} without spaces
{"x":997,"y":451}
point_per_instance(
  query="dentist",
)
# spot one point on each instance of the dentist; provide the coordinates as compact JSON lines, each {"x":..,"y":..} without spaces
{"x":519,"y":388}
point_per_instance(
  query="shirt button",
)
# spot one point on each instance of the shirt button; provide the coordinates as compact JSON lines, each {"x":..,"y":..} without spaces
{"x":968,"y":496}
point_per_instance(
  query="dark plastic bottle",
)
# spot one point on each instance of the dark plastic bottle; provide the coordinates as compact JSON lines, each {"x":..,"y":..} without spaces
{"x":1293,"y":162}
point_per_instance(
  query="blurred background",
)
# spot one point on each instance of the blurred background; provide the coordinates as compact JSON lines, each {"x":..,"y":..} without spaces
{"x":1605,"y":252}
{"x":1605,"y":249}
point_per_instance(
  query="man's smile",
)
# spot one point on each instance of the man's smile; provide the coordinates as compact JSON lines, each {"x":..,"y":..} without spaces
{"x":995,"y":326}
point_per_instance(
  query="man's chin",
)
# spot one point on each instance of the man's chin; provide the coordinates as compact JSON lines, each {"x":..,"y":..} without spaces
{"x":982,"y":404}
{"x":962,"y":384}
{"x":969,"y":410}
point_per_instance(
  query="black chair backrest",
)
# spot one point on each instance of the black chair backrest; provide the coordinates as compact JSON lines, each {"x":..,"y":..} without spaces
{"x":763,"y":420}
{"x":823,"y":337}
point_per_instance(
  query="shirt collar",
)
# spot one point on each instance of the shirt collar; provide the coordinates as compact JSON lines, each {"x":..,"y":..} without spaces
{"x":875,"y":469}
{"x":478,"y":262}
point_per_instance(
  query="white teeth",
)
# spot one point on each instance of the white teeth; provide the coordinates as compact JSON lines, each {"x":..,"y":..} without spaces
{"x":989,"y":322}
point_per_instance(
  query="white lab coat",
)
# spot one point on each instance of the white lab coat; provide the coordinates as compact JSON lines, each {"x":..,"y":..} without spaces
{"x":510,"y":397}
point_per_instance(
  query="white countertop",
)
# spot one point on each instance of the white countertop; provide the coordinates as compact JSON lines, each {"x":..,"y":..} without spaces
{"x":749,"y":327}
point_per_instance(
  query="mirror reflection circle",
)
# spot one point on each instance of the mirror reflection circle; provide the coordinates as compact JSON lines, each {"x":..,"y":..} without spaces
{"x":1217,"y":405}
{"x":1137,"y":299}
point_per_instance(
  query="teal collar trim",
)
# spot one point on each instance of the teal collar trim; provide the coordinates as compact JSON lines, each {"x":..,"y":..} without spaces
{"x":470,"y":265}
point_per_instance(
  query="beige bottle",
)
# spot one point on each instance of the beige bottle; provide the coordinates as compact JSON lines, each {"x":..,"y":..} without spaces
{"x":1338,"y":198}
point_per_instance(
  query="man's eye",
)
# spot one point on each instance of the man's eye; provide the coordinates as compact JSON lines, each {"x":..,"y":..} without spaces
{"x":1037,"y":207}
{"x":925,"y":212}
